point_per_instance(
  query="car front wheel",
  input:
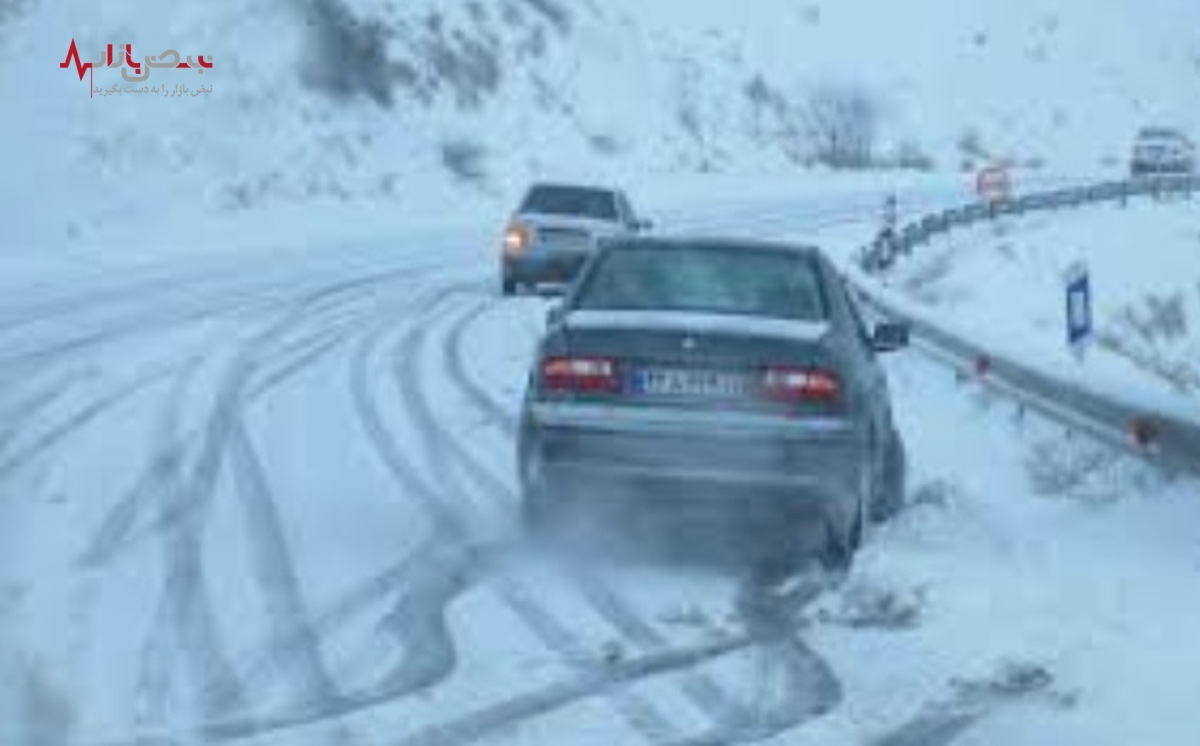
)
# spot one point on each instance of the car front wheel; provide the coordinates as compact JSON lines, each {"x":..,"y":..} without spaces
{"x":890,"y":498}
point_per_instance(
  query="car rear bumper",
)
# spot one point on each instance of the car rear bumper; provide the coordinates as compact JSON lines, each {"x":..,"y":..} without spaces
{"x":695,"y":456}
{"x":551,"y":267}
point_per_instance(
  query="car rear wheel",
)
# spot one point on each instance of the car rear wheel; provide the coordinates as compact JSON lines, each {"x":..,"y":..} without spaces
{"x":509,"y":286}
{"x":841,"y":542}
{"x":837,"y":555}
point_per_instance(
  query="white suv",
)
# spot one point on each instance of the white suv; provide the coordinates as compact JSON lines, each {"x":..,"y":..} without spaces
{"x":1162,"y":151}
{"x":556,"y":229}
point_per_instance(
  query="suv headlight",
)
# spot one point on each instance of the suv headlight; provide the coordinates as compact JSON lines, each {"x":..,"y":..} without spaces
{"x":517,"y":238}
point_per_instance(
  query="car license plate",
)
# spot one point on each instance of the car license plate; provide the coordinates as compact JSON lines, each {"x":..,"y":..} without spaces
{"x":698,"y":383}
{"x":566,"y":241}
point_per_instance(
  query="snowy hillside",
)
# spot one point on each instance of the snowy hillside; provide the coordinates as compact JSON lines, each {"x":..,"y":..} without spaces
{"x":400,"y":108}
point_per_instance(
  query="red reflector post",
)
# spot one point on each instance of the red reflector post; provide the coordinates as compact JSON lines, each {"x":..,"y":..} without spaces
{"x":582,"y":374}
{"x":801,"y":385}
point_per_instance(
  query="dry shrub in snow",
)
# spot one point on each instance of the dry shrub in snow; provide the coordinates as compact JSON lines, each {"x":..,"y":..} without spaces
{"x":1154,"y":336}
{"x":1079,"y":468}
{"x":465,"y":160}
{"x":349,"y":55}
{"x":10,"y":10}
{"x":843,"y":122}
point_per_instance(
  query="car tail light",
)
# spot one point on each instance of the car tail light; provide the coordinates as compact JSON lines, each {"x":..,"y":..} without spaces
{"x":517,"y":238}
{"x":580,"y":374}
{"x":801,"y":385}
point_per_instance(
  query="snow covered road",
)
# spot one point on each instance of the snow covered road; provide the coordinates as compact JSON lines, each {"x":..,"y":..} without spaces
{"x":273,"y":503}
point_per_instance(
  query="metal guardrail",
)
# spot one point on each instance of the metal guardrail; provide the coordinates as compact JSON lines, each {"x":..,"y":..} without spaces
{"x":919,"y":231}
{"x":1170,"y":441}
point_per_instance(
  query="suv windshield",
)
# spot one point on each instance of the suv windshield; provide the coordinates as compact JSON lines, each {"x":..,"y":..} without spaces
{"x":599,"y":204}
{"x":725,"y":280}
{"x":1159,"y":136}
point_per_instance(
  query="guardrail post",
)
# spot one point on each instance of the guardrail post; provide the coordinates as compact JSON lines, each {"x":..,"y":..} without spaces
{"x":1125,"y":193}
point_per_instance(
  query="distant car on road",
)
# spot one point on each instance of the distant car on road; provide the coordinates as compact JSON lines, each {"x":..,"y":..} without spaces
{"x":557,"y":227}
{"x":733,"y":379}
{"x":1162,"y":151}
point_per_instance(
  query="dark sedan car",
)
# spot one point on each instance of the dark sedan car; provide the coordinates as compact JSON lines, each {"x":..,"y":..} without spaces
{"x":728,"y":379}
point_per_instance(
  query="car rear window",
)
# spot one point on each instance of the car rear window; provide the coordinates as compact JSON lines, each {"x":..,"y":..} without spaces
{"x":1161,"y":138}
{"x":1155,"y":133}
{"x":733,"y":280}
{"x":599,"y":204}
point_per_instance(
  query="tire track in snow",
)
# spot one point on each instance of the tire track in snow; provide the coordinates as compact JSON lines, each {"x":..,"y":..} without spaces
{"x":153,"y":682}
{"x":435,"y":589}
{"x":280,"y":586}
{"x":185,"y":628}
{"x":943,"y":723}
{"x":184,"y":625}
{"x":810,"y":689}
{"x":229,"y":300}
{"x":456,"y":364}
{"x":14,"y":412}
{"x":610,"y":681}
{"x":409,"y":678}
{"x":554,"y":634}
{"x":417,"y":622}
{"x":447,"y":508}
{"x":85,"y":589}
{"x":279,"y":645}
{"x":353,"y":701}
{"x":275,"y":572}
{"x":119,"y":531}
{"x":361,"y":597}
{"x":477,"y":724}
{"x":274,"y":569}
{"x":18,"y":458}
{"x":185,"y":619}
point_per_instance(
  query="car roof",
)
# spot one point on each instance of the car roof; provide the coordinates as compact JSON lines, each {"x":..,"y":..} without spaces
{"x":565,"y":185}
{"x":710,"y":242}
{"x":1161,"y":133}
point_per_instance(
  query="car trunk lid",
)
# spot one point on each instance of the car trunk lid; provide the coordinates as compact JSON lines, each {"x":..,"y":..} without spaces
{"x":698,"y":360}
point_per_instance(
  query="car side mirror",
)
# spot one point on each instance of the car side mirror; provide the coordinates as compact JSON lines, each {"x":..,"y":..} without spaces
{"x":555,"y":314}
{"x":890,"y":336}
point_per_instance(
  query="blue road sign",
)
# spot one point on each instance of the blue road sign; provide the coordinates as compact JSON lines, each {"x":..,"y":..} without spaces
{"x":1079,"y":306}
